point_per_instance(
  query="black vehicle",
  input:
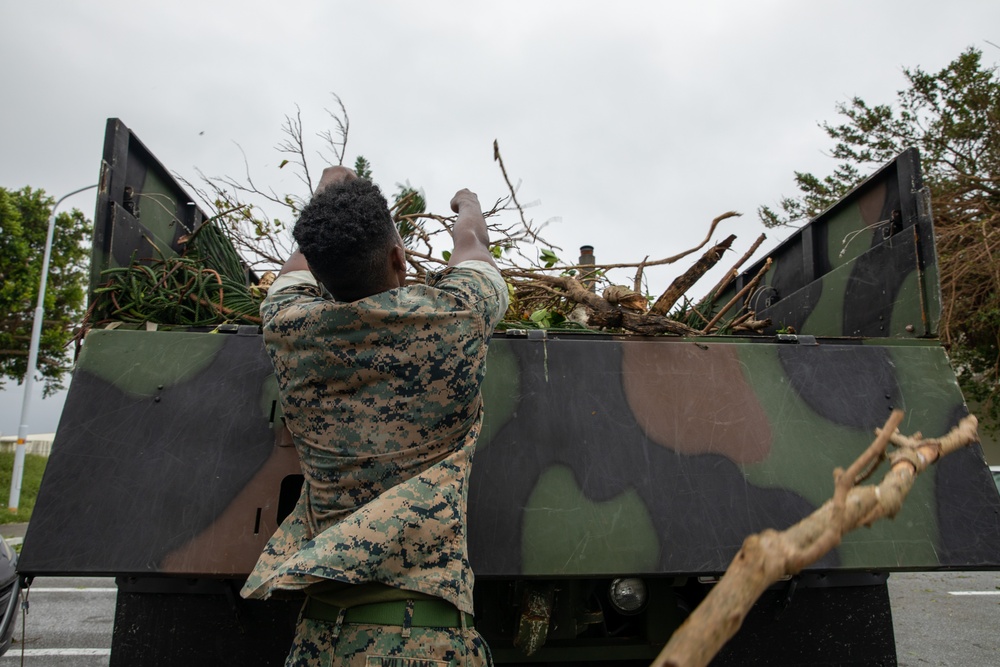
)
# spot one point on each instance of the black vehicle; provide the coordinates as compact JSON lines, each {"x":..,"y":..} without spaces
{"x":10,"y":589}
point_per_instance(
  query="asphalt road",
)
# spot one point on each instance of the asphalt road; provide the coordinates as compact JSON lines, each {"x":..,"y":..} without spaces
{"x":935,"y":627}
{"x":69,"y":621}
{"x":68,"y":624}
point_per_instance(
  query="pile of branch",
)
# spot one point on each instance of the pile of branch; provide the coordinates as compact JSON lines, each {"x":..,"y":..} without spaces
{"x":767,"y":557}
{"x":623,"y":307}
{"x":557,"y":295}
{"x":208,"y":283}
{"x":545,"y":292}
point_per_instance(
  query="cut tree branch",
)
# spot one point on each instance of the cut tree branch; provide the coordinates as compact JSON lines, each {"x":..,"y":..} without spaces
{"x":770,"y":555}
{"x":735,"y":271}
{"x":686,"y":280}
{"x":749,"y":287}
{"x":646,"y":263}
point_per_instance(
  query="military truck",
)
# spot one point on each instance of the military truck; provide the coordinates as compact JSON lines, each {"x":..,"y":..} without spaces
{"x":615,"y":478}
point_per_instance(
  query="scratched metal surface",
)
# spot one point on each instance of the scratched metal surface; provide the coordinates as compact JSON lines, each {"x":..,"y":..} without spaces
{"x":599,"y":456}
{"x":660,"y":457}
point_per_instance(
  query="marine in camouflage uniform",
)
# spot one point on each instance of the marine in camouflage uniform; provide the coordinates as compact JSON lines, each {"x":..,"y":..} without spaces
{"x":381,"y":395}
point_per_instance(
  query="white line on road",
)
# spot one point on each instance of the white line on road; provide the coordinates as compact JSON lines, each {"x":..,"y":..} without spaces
{"x":73,"y":590}
{"x":973,"y":592}
{"x":36,"y":652}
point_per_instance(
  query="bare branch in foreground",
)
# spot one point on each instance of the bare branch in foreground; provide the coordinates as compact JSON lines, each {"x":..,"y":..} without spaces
{"x":770,"y":555}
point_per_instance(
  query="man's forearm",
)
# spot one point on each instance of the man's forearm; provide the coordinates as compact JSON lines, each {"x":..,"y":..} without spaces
{"x":472,"y":239}
{"x":471,"y":223}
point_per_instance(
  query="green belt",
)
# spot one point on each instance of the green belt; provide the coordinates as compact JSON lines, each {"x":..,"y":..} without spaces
{"x":426,"y":613}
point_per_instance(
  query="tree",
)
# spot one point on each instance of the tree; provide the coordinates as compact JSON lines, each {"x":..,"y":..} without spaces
{"x":24,"y":217}
{"x":953,"y":118}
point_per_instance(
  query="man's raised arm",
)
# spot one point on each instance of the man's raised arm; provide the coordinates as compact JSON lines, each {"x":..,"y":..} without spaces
{"x":472,"y":240}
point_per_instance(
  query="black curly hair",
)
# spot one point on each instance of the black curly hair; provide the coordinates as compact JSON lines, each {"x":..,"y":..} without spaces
{"x":346,"y":233}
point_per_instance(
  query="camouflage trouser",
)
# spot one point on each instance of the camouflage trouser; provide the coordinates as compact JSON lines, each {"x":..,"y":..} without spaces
{"x":317,"y":644}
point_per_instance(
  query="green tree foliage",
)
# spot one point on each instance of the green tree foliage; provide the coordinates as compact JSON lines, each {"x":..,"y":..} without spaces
{"x":24,"y":217}
{"x":362,"y":168}
{"x":953,"y":118}
{"x":407,"y":206}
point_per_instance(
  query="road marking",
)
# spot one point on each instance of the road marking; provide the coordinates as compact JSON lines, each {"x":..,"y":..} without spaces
{"x":33,"y":589}
{"x":36,"y":652}
{"x":973,"y":592}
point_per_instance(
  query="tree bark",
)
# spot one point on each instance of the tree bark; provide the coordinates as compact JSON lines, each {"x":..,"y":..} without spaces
{"x":686,"y":280}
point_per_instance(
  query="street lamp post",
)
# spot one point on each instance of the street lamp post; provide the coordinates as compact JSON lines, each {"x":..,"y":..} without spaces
{"x":29,"y":374}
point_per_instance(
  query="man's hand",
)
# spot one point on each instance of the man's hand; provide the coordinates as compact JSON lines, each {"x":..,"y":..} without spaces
{"x":334,"y":176}
{"x":465,"y":197}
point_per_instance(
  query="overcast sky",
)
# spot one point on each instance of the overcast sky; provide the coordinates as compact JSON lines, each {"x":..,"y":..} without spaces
{"x":632,"y":124}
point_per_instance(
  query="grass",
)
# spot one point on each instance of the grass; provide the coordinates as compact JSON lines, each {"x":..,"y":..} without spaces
{"x":34,"y":466}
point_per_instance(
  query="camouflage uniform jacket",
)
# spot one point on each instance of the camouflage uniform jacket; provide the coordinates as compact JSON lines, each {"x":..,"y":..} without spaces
{"x":382,"y":398}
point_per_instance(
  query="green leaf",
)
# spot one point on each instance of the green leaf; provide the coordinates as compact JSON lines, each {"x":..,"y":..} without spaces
{"x":539,"y":315}
{"x":24,"y":218}
{"x":549,"y":258}
{"x":546,"y":318}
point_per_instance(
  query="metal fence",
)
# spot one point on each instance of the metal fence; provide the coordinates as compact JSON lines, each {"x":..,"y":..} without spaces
{"x":34,"y":444}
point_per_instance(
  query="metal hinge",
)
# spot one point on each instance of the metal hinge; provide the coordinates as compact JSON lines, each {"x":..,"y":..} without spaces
{"x":530,"y":334}
{"x":238,"y":329}
{"x":793,"y":339}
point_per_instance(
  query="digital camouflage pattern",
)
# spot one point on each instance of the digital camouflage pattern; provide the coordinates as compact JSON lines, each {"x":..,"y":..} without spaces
{"x":318,"y":643}
{"x":382,"y":398}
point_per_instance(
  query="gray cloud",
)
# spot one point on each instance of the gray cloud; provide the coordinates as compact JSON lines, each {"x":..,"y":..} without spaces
{"x":633,"y":122}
